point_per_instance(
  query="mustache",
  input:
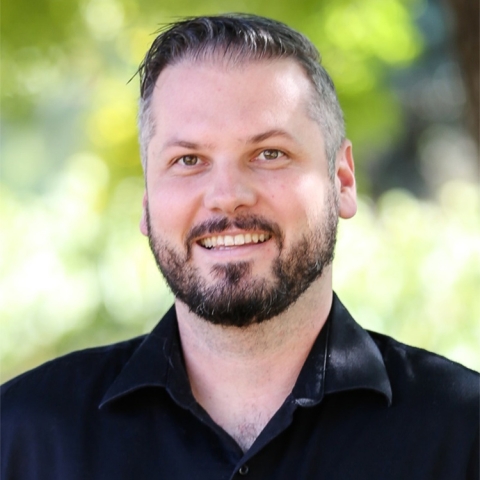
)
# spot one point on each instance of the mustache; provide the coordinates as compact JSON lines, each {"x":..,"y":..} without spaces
{"x":244,"y":222}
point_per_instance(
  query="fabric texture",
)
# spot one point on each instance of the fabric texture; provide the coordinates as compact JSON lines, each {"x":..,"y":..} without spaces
{"x":364,"y":407}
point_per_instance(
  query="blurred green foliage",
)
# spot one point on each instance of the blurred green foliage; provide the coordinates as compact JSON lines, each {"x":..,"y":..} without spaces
{"x":75,"y":270}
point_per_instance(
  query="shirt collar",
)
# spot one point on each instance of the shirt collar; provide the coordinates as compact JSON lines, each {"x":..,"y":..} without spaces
{"x":157,"y":362}
{"x":344,"y":357}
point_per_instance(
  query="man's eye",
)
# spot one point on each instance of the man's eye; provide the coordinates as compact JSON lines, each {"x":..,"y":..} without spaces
{"x":189,"y":160}
{"x":271,"y":154}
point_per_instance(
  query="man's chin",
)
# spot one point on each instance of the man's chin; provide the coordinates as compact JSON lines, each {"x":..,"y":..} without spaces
{"x":231,"y":273}
{"x":236,"y":316}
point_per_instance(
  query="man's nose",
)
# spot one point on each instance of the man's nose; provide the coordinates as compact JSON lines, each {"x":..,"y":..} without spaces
{"x":230,"y":188}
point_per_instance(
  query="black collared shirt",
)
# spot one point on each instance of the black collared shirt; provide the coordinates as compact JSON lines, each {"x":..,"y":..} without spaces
{"x":364,"y":407}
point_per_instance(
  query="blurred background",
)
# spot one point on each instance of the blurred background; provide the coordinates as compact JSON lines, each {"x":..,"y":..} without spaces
{"x":75,"y":271}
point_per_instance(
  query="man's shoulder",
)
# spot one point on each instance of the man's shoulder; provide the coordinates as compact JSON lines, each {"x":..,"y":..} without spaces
{"x":81,"y":374}
{"x":417,"y":374}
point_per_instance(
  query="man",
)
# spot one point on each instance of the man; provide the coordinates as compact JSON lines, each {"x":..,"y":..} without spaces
{"x":258,"y":370}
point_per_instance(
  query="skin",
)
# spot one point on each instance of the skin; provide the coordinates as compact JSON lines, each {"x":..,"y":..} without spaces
{"x":210,"y":157}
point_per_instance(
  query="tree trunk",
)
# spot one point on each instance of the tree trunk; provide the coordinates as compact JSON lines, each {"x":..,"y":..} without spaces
{"x":467,"y":16}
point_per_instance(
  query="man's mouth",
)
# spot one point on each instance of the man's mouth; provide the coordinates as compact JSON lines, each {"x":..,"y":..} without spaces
{"x":233,"y":240}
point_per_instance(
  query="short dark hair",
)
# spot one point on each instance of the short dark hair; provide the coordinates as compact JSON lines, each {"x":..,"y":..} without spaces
{"x":238,"y":37}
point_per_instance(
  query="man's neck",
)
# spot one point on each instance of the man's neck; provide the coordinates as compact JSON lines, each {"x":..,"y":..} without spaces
{"x":241,"y":376}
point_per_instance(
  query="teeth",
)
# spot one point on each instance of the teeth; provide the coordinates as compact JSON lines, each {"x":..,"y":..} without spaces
{"x":230,"y":240}
{"x":239,"y":239}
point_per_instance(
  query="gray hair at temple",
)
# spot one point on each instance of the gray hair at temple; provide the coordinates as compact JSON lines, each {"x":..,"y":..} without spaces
{"x":236,"y":38}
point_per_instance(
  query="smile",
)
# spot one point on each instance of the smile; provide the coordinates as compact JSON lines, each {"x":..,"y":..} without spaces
{"x":234,"y":240}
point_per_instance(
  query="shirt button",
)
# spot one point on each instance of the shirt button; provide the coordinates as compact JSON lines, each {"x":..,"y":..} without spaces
{"x":243,"y":470}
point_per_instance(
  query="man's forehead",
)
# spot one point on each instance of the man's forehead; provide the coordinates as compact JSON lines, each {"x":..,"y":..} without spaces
{"x":195,"y":88}
{"x":219,"y":65}
{"x":193,"y":99}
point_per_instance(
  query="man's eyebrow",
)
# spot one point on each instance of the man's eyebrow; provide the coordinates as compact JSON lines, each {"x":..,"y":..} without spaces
{"x":176,"y":142}
{"x":276,"y":132}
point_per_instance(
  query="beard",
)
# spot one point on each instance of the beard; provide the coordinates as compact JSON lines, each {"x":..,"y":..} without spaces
{"x":237,"y":298}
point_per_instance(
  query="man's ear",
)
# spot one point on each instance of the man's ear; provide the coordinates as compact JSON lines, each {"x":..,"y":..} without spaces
{"x":143,"y":220}
{"x":345,"y":181}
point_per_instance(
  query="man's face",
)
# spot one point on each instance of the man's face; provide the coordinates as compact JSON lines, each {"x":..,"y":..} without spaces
{"x":240,"y":211}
